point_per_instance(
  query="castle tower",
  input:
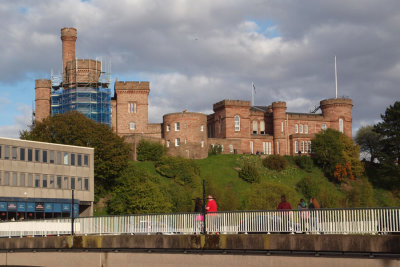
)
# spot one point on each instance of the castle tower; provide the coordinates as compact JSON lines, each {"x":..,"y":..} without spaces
{"x":42,"y":99}
{"x":68,"y":37}
{"x":338,"y":112}
{"x":280,"y":128}
{"x":130,"y":107}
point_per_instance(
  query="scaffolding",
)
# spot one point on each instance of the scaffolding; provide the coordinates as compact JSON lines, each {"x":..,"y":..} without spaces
{"x":93,"y":99}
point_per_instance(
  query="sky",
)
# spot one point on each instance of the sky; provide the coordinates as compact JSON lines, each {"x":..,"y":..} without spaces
{"x":196,"y":53}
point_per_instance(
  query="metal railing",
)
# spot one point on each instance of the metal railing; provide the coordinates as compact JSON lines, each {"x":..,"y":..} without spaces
{"x":327,"y":221}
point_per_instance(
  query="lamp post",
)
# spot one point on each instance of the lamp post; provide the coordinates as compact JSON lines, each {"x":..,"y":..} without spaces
{"x":72,"y":213}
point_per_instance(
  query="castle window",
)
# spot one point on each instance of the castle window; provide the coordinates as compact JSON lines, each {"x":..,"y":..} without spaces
{"x":131,"y":107}
{"x":267,"y":148}
{"x":255,"y":127}
{"x":177,"y":126}
{"x":296,"y":128}
{"x":277,"y":148}
{"x":296,"y":147}
{"x":231,"y":148}
{"x":262,"y":127}
{"x":309,"y":146}
{"x":222,"y":148}
{"x":201,"y":128}
{"x":302,"y":146}
{"x":282,"y":127}
{"x":301,"y":128}
{"x":177,"y":141}
{"x":323,"y":127}
{"x":306,"y":129}
{"x":168,"y":128}
{"x":132,"y":126}
{"x":168,"y":143}
{"x":237,"y":123}
{"x":202,"y":143}
{"x":341,"y":125}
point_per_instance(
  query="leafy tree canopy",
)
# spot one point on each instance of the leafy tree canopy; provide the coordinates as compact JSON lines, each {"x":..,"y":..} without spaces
{"x":111,"y":154}
{"x":151,"y":151}
{"x":369,"y":142}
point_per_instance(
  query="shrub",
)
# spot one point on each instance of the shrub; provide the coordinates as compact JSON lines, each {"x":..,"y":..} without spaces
{"x":183,"y":171}
{"x":320,"y":188}
{"x":249,"y":173}
{"x":215,"y":150}
{"x":275,"y":162}
{"x":304,"y":162}
{"x":343,"y":171}
{"x":151,"y":151}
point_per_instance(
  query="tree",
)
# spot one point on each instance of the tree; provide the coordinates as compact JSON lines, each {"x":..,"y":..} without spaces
{"x":369,"y":142}
{"x":148,"y":150}
{"x":111,"y":153}
{"x":389,"y":155}
{"x":332,"y":148}
{"x":138,"y":192}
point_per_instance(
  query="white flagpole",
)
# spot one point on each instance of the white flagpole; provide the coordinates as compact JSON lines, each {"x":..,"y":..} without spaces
{"x":336,"y":76}
{"x":252,"y":93}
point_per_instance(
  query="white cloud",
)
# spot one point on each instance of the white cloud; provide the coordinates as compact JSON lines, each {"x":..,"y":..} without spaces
{"x":20,"y":122}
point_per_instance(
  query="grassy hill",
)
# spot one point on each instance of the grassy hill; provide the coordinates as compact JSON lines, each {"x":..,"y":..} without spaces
{"x":221,"y":173}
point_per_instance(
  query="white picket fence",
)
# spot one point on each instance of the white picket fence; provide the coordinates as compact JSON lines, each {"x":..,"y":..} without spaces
{"x":327,"y":221}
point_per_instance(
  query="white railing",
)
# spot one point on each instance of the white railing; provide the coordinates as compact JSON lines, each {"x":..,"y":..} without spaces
{"x":327,"y":221}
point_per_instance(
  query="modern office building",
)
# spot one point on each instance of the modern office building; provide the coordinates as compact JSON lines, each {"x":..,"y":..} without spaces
{"x":36,"y":180}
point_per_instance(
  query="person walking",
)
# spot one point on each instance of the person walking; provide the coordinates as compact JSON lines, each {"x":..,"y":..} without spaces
{"x":284,"y":205}
{"x":313,"y":214}
{"x":211,"y":209}
{"x":199,"y":208}
{"x":304,"y":215}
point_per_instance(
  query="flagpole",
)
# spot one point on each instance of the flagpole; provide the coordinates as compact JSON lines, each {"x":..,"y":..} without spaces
{"x":252,"y":93}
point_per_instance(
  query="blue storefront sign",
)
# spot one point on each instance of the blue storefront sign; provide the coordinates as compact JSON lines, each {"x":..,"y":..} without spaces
{"x":57,"y":207}
{"x":3,"y":206}
{"x":30,"y":206}
{"x":66,"y":207}
{"x":48,"y":207}
{"x":11,"y":206}
{"x":21,"y":206}
{"x":76,"y":210}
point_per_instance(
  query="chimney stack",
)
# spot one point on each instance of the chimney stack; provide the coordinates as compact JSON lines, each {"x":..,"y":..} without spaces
{"x":68,"y":37}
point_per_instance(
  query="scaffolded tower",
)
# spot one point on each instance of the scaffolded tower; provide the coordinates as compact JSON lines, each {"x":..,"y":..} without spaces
{"x":84,"y":86}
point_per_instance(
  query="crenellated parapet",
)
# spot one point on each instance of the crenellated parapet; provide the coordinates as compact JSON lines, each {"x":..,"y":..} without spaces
{"x":131,"y":85}
{"x":232,"y":103}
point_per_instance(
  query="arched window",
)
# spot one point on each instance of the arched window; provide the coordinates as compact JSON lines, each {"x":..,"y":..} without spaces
{"x":262,"y":127}
{"x":255,"y":127}
{"x":237,"y":123}
{"x":341,"y":125}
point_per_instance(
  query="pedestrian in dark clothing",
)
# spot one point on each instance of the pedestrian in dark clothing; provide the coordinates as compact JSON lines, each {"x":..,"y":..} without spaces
{"x":313,"y":215}
{"x":284,"y":205}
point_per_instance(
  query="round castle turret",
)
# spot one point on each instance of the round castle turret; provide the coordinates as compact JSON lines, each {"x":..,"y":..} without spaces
{"x":279,"y":117}
{"x":336,"y":109}
{"x":42,"y":99}
{"x":192,"y":134}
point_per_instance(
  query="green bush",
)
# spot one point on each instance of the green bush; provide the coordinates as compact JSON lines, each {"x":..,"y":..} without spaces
{"x":275,"y":162}
{"x":215,"y":150}
{"x":361,"y":194}
{"x":151,"y":151}
{"x":304,"y":162}
{"x":183,"y":171}
{"x":249,"y":173}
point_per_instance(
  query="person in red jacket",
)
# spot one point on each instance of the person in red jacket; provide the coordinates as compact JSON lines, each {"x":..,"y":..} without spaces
{"x":284,"y":205}
{"x":211,"y":204}
{"x":211,"y":209}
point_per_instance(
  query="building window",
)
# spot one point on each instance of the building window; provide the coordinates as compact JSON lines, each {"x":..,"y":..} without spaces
{"x":255,"y":127}
{"x":51,"y":181}
{"x":168,"y":128}
{"x":323,"y":127}
{"x":44,"y":181}
{"x":30,"y":155}
{"x":262,"y":127}
{"x":177,"y":126}
{"x":22,"y":154}
{"x":168,"y":143}
{"x":341,"y":125}
{"x":30,"y":180}
{"x":202,"y":143}
{"x":37,"y":180}
{"x":14,"y":153}
{"x":309,"y":146}
{"x":222,"y":148}
{"x":306,"y":129}
{"x":37,"y":155}
{"x":58,"y":157}
{"x":282,"y":127}
{"x":231,"y":148}
{"x":86,"y":184}
{"x":267,"y":148}
{"x":6,"y":152}
{"x":86,"y":160}
{"x":296,"y":147}
{"x":302,"y":146}
{"x":22,"y":179}
{"x":79,"y":184}
{"x":66,"y":183}
{"x":132,"y":126}
{"x":296,"y":128}
{"x":72,"y":182}
{"x":277,"y":148}
{"x":131,"y":107}
{"x":177,"y":141}
{"x":14,"y":179}
{"x":51,"y":156}
{"x":237,"y":123}
{"x":79,"y":160}
{"x":59,"y":185}
{"x":65,"y":158}
{"x":251,"y":147}
{"x":44,"y":156}
{"x":301,"y":128}
{"x":201,"y":128}
{"x":72,"y":159}
{"x":0,"y":151}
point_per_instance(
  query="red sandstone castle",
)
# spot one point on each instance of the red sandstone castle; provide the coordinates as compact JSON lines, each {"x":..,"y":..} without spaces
{"x":235,"y":125}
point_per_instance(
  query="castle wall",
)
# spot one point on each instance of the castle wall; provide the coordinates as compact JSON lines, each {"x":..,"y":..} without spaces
{"x":82,"y":71}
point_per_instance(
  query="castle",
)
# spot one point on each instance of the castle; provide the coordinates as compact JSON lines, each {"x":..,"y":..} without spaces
{"x":235,"y":125}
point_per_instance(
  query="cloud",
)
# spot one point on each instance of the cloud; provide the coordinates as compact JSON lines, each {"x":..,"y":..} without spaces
{"x":20,"y":122}
{"x":195,"y":53}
